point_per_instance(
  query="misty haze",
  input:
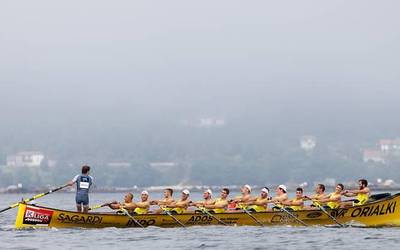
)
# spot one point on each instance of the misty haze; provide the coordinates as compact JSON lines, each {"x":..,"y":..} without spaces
{"x":199,"y":93}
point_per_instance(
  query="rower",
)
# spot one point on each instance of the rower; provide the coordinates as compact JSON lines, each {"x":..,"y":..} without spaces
{"x":296,"y":203}
{"x":83,"y":183}
{"x":333,"y":200}
{"x":220,"y":204}
{"x":260,"y":203}
{"x":143,"y":206}
{"x":281,"y":196}
{"x":245,"y":197}
{"x":128,"y":201}
{"x":361,"y":195}
{"x":207,"y":196}
{"x":140,"y":207}
{"x":180,"y":207}
{"x":318,"y":195}
{"x":167,"y":200}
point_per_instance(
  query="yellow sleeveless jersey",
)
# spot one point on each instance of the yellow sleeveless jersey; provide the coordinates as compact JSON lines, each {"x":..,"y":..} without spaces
{"x":179,"y":210}
{"x":218,"y":202}
{"x":140,"y":210}
{"x":333,"y":204}
{"x":297,"y":207}
{"x":258,"y":208}
{"x":316,"y":203}
{"x":362,"y":198}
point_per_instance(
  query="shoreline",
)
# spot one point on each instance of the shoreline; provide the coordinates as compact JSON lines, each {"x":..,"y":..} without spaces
{"x":161,"y":188}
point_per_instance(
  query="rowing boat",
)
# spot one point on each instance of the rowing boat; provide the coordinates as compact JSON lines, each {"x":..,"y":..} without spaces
{"x":378,"y":213}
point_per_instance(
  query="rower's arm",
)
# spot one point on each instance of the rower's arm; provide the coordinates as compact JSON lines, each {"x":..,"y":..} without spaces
{"x":182,"y":204}
{"x":73,"y":181}
{"x":221,"y":205}
{"x":362,"y":191}
{"x":328,"y":199}
{"x":349,"y":193}
{"x":261,"y":202}
{"x":115,"y":206}
{"x":145,"y":204}
{"x":129,"y":205}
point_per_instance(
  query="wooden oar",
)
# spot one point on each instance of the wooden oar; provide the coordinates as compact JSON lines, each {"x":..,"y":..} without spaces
{"x":173,"y":217}
{"x":34,"y":198}
{"x":130,"y":216}
{"x":254,"y":218}
{"x":293,"y":216}
{"x":326,"y":212}
{"x":210,"y":214}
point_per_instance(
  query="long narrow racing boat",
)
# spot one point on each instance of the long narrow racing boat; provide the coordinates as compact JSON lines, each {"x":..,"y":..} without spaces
{"x":378,"y":213}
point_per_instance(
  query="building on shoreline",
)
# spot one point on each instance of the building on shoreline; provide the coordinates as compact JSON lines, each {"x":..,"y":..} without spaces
{"x":25,"y":159}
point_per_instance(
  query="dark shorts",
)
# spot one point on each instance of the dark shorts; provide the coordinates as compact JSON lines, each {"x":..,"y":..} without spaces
{"x":82,"y":199}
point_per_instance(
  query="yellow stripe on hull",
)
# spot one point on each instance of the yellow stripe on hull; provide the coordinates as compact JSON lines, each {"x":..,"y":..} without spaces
{"x":376,"y":214}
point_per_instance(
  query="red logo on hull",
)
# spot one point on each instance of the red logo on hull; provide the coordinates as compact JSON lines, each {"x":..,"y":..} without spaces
{"x":37,"y":216}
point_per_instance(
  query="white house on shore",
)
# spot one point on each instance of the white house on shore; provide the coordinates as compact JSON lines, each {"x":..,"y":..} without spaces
{"x":25,"y":159}
{"x":389,"y":145}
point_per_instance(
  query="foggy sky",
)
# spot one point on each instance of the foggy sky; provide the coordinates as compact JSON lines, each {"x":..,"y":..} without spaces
{"x":321,"y":65}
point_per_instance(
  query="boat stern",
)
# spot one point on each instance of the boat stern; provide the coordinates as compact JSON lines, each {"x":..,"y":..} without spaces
{"x":31,"y":216}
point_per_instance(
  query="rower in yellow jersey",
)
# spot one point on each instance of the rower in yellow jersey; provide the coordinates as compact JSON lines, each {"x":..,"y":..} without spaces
{"x":180,"y":207}
{"x":220,"y":205}
{"x":243,"y":199}
{"x":128,"y":200}
{"x":260,"y":203}
{"x":207,"y":196}
{"x":167,"y":200}
{"x":140,"y":207}
{"x":296,"y":203}
{"x":319,"y":195}
{"x":333,"y":200}
{"x":361,"y":195}
{"x":281,"y":196}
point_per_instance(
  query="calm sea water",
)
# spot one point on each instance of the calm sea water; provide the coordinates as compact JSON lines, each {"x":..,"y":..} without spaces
{"x":212,"y":237}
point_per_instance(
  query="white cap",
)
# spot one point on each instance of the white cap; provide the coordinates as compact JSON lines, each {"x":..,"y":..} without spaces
{"x":208,"y":191}
{"x":264,"y":190}
{"x":283,"y":187}
{"x":248,"y":187}
{"x":185,"y":191}
{"x":145,"y":192}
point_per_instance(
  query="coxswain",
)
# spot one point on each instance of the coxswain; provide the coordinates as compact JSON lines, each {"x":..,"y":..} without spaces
{"x":260,"y":203}
{"x":361,"y":194}
{"x":167,"y":200}
{"x":296,"y":203}
{"x":83,"y":183}
{"x":180,"y":207}
{"x":220,"y":205}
